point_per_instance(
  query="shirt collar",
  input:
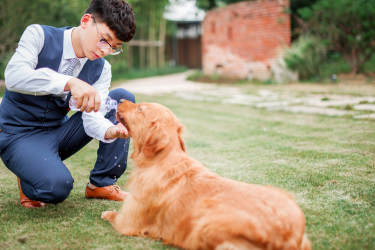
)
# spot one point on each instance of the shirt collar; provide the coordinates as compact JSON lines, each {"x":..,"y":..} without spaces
{"x":68,"y":51}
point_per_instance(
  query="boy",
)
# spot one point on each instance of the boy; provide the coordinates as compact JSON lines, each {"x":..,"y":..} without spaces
{"x":50,"y":66}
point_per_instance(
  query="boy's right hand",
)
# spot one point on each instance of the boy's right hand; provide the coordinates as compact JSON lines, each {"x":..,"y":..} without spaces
{"x":86,"y":96}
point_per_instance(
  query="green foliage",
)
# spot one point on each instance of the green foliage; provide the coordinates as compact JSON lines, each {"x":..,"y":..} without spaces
{"x":334,"y":64}
{"x":369,"y":66}
{"x":15,"y":16}
{"x":4,"y":59}
{"x":211,"y":4}
{"x":298,"y":4}
{"x":147,"y":12}
{"x":2,"y":90}
{"x":306,"y":56}
{"x":348,"y":27}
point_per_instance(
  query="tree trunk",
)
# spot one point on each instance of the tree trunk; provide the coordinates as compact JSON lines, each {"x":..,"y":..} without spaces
{"x":354,"y":61}
{"x":151,"y":37}
{"x":142,"y":53}
{"x":162,"y":40}
{"x":129,"y":56}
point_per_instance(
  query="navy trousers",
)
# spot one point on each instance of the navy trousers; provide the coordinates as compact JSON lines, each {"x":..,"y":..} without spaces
{"x":37,"y":156}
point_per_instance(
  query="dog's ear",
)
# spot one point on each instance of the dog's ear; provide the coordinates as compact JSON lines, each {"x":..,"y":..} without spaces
{"x":156,"y":140}
{"x":182,"y":143}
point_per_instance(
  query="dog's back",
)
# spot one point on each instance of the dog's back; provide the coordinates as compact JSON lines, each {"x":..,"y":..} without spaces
{"x":227,"y":214}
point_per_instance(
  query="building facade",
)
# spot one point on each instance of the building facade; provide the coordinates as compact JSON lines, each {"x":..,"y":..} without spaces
{"x":245,"y":40}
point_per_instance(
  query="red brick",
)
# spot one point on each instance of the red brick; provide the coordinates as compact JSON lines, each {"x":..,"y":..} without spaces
{"x":239,"y":35}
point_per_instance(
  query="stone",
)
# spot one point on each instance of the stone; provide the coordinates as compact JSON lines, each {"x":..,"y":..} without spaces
{"x":365,"y":107}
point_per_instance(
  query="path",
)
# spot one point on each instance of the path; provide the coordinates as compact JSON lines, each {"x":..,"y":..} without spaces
{"x":360,"y":107}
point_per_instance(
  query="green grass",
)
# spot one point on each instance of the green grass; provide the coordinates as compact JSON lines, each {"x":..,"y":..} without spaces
{"x":199,"y":76}
{"x":327,"y":163}
{"x":119,"y":72}
{"x":2,"y":90}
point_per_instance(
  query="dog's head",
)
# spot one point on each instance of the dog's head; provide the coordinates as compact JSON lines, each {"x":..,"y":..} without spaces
{"x":153,"y":127}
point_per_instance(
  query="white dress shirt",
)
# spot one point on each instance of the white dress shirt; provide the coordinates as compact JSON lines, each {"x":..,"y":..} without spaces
{"x":21,"y":76}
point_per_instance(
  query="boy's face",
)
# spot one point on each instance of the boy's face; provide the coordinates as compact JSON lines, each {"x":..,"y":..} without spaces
{"x":96,"y":39}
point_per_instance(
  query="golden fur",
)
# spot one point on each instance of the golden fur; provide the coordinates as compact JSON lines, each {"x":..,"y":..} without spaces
{"x":176,"y":199}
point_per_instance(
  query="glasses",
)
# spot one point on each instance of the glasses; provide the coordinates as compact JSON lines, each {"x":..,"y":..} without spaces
{"x":103,"y":44}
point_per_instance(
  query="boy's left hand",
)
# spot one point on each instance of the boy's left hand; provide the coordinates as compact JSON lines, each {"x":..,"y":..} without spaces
{"x":116,"y":131}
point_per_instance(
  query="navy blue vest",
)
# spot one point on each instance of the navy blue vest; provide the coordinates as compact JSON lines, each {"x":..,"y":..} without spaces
{"x":20,"y":112}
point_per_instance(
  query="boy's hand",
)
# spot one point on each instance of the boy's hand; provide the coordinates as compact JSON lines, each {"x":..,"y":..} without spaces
{"x":116,"y":131}
{"x":86,"y":96}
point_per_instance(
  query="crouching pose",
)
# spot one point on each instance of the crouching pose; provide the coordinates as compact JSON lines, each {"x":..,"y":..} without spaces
{"x":49,"y":68}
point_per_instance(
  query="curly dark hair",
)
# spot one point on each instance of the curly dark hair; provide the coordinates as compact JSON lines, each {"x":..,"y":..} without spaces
{"x":117,"y":15}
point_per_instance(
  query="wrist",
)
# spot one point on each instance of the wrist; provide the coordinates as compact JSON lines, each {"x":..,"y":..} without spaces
{"x":67,"y":85}
{"x":108,"y":134}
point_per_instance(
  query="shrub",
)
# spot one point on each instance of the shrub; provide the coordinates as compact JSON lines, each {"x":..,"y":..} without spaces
{"x":305,"y":56}
{"x":335,"y":64}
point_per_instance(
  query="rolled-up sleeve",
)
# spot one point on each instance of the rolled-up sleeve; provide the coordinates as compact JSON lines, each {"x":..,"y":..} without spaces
{"x":95,"y":124}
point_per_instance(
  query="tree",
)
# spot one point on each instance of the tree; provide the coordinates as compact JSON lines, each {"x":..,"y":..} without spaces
{"x":347,"y":26}
{"x":150,"y":27}
{"x":211,"y":4}
{"x":298,"y":25}
{"x":15,"y":16}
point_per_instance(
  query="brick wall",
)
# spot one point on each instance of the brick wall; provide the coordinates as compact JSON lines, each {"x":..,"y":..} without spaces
{"x":242,"y":40}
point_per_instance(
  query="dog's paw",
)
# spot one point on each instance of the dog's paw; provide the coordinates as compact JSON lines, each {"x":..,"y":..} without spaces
{"x":109,"y":215}
{"x":105,"y":215}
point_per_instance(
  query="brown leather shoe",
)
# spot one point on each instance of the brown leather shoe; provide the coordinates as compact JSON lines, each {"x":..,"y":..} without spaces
{"x":112,"y":192}
{"x":25,"y":201}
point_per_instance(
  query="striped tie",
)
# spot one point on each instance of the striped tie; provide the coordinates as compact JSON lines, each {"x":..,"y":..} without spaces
{"x":73,"y":63}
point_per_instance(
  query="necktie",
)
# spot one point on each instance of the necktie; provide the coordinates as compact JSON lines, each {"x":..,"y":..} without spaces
{"x":73,"y":63}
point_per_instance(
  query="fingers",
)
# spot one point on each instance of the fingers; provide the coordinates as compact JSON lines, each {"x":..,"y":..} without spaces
{"x":86,"y":96}
{"x":90,"y":105}
{"x":93,"y":103}
{"x":84,"y":106}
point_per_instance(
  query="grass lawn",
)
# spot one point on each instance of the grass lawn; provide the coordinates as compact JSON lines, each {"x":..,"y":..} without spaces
{"x":328,"y":163}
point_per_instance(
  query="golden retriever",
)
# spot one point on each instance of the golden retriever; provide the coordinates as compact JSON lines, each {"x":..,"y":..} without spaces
{"x":176,"y":199}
